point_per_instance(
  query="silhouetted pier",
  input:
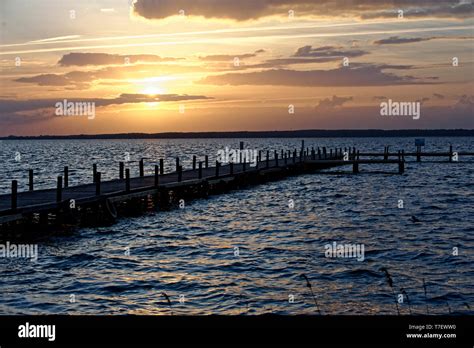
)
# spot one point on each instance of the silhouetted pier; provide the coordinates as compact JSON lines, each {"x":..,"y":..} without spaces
{"x":102,"y":201}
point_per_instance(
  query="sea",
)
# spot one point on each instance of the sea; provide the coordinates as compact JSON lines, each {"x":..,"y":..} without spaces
{"x":258,"y":250}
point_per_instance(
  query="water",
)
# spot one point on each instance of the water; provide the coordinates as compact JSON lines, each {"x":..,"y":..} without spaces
{"x":191,"y":252}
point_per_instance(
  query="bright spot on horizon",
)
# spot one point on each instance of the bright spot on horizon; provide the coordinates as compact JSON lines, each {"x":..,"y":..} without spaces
{"x":152,"y":90}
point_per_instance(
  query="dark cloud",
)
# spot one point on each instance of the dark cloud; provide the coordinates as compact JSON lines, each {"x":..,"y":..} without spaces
{"x":327,"y":51}
{"x":46,"y":80}
{"x":334,"y":102}
{"x":279,"y":62}
{"x":254,"y":9}
{"x":395,"y":40}
{"x":309,"y":55}
{"x":466,"y":102}
{"x":438,"y":96}
{"x":355,"y":75}
{"x":228,"y":57}
{"x":424,"y":8}
{"x":423,"y":100}
{"x":83,"y":59}
{"x":16,"y":106}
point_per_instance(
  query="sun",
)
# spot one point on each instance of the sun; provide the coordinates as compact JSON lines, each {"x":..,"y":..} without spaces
{"x":152,"y":90}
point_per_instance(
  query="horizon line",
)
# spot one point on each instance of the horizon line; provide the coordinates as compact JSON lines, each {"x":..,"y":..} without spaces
{"x":300,"y":133}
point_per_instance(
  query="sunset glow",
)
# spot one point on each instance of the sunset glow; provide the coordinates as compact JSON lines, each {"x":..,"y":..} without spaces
{"x":234,"y":68}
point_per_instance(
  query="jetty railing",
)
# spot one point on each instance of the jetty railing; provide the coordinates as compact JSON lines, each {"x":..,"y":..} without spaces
{"x":199,"y":180}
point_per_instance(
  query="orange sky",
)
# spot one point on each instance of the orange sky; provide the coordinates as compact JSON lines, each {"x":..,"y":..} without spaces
{"x":158,"y":66}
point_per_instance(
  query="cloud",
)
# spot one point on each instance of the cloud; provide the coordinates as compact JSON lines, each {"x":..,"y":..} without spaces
{"x":423,"y":100}
{"x":46,"y":80}
{"x":438,"y":96}
{"x":395,"y":40}
{"x":227,"y":57}
{"x":331,"y":103}
{"x":256,"y":9}
{"x":279,"y":62}
{"x":308,"y":55}
{"x":466,"y":102}
{"x":379,"y":97}
{"x":83,"y":59}
{"x":327,"y":51}
{"x":355,"y":75}
{"x":18,"y":106}
{"x":83,"y":79}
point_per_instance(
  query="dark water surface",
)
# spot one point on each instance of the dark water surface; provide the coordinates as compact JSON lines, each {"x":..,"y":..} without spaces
{"x":190,"y":252}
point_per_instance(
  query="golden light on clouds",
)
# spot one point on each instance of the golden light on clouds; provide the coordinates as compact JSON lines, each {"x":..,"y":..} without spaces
{"x":130,"y":67}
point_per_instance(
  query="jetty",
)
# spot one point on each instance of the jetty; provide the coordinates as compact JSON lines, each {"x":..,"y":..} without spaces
{"x":101,"y":202}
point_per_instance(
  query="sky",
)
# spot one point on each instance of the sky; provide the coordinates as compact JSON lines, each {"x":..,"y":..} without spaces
{"x":223,"y":65}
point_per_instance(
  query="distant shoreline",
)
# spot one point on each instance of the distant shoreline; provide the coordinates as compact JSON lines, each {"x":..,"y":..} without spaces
{"x":314,"y":133}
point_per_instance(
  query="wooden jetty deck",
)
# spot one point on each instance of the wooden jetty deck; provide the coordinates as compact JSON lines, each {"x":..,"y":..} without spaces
{"x":103,"y":200}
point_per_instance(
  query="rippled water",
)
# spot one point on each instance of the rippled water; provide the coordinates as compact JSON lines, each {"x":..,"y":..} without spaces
{"x":190,"y":252}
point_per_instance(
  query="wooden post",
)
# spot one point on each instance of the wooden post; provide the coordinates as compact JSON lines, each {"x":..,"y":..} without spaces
{"x":231,"y":168}
{"x":330,"y":153}
{"x":319,"y":153}
{"x":94,"y":171}
{"x":244,"y":166}
{"x":403,"y":155}
{"x":286,"y":158}
{"x":30,"y":179}
{"x":194,"y":162}
{"x":450,"y":153}
{"x":66,"y":176}
{"x":355,"y":167}
{"x":401,"y":167}
{"x":142,"y":171}
{"x":207,"y":161}
{"x":97,"y":184}
{"x":59,"y":189}
{"x":127,"y":180}
{"x":162,"y":166}
{"x":259,"y":157}
{"x":121,"y":170}
{"x":294,"y":156}
{"x":302,"y":145}
{"x":385,"y":153}
{"x":156,"y":176}
{"x":177,"y":163}
{"x":14,"y":194}
{"x":180,"y":173}
{"x":217,"y":168}
{"x":276,"y":158}
{"x":268,"y":159}
{"x":418,"y":153}
{"x":324,"y":152}
{"x":200,"y":170}
{"x":313,"y":154}
{"x":241,"y":147}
